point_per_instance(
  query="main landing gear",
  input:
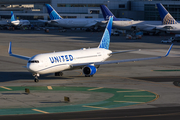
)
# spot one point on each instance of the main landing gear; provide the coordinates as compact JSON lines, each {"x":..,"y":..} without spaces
{"x":36,"y":77}
{"x":59,"y":74}
{"x":88,"y":75}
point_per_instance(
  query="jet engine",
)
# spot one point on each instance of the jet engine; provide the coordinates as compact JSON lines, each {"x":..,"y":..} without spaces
{"x":89,"y":70}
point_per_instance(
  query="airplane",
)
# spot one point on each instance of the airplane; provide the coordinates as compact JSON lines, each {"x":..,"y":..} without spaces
{"x":147,"y":26}
{"x":89,"y":60}
{"x":3,"y":22}
{"x":169,"y":23}
{"x":57,"y":20}
{"x":18,"y":22}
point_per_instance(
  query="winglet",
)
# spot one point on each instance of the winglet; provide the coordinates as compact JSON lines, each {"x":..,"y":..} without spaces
{"x":9,"y":50}
{"x":166,"y":17}
{"x":12,"y":16}
{"x":52,"y":12}
{"x":169,"y":50}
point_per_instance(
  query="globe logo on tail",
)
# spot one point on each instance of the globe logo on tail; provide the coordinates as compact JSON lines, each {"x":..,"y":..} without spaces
{"x":168,"y":19}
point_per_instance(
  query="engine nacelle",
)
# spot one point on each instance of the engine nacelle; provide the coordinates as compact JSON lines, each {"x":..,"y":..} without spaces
{"x":89,"y":70}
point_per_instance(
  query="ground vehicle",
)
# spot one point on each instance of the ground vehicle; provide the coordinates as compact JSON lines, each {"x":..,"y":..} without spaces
{"x":172,"y":39}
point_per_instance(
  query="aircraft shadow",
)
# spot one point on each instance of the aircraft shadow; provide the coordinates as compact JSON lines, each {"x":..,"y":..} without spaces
{"x":12,"y":76}
{"x":159,"y":78}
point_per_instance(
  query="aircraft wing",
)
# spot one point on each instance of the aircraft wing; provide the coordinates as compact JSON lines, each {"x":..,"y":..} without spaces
{"x":15,"y":55}
{"x":124,"y":51}
{"x":120,"y":61}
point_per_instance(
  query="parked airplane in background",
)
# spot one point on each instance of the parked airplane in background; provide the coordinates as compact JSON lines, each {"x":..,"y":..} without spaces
{"x":57,"y":20}
{"x":169,"y":23}
{"x":18,"y":22}
{"x":148,"y":26}
{"x":3,"y":22}
{"x":88,"y":60}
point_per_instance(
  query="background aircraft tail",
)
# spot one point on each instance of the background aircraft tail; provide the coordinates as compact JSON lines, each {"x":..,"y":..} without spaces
{"x":106,"y":36}
{"x":107,"y":13}
{"x":165,"y":15}
{"x":52,"y":13}
{"x":12,"y":16}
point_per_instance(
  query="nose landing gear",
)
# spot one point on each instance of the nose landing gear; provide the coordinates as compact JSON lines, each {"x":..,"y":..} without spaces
{"x":36,"y":77}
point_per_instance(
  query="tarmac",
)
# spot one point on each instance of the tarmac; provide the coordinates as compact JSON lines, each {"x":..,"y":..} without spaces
{"x":127,"y":86}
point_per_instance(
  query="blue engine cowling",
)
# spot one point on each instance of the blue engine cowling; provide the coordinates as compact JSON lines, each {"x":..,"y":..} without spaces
{"x":89,"y":70}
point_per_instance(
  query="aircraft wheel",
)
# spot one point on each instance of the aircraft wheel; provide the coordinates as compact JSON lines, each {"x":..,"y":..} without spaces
{"x":36,"y":80}
{"x":176,"y":83}
{"x":59,"y":74}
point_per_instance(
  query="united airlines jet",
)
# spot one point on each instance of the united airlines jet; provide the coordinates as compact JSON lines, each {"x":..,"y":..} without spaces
{"x":57,"y":20}
{"x":18,"y":22}
{"x":169,"y":24}
{"x":147,"y":26}
{"x":89,"y":60}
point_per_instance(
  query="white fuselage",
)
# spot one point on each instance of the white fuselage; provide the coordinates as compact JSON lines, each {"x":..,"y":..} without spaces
{"x":148,"y":26}
{"x":60,"y":61}
{"x":171,"y":28}
{"x":20,"y":22}
{"x":75,"y":23}
{"x":142,"y":25}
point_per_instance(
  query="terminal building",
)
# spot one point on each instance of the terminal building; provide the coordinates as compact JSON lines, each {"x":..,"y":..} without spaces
{"x":133,"y":9}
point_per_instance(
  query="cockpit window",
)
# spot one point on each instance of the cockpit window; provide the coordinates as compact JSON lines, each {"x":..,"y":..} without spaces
{"x":33,"y":61}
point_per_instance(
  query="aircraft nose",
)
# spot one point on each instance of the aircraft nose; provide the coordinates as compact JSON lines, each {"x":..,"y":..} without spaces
{"x":31,"y":67}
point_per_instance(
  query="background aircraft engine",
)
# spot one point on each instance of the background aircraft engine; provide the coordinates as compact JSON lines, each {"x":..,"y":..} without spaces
{"x":89,"y":70}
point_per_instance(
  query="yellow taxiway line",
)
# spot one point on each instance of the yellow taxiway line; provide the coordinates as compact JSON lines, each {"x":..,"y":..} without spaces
{"x":49,"y":87}
{"x":96,"y":88}
{"x":40,"y":111}
{"x":139,"y":96}
{"x":129,"y":101}
{"x":5,"y":88}
{"x":95,"y":107}
{"x":131,"y":91}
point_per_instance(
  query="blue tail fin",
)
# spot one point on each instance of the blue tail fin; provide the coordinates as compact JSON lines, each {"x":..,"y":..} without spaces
{"x":12,"y":16}
{"x":52,"y":13}
{"x":165,"y":15}
{"x":106,"y":36}
{"x":107,"y":13}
